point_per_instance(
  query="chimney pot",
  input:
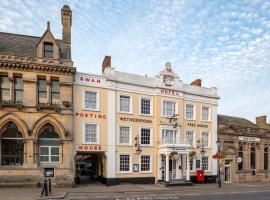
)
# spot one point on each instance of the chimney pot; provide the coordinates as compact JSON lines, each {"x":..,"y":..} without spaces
{"x":197,"y":82}
{"x":106,"y":63}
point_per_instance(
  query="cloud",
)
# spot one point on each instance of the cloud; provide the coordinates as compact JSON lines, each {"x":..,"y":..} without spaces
{"x":226,"y":43}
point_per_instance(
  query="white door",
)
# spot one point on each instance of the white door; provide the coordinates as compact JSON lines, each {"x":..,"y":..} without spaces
{"x":163,"y":166}
{"x":172,"y":169}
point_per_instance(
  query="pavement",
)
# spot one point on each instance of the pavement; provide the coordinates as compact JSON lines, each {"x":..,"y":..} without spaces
{"x":141,"y":192}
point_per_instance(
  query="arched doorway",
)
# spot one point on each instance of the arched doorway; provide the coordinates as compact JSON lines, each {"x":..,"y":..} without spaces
{"x":49,"y":145}
{"x":12,"y":146}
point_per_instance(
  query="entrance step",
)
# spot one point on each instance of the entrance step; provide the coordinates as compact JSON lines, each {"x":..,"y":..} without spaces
{"x":176,"y":183}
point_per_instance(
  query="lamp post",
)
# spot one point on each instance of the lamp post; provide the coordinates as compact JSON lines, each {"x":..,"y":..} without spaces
{"x":219,"y":173}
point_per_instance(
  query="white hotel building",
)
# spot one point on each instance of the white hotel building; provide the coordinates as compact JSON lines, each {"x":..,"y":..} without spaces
{"x":139,"y":129}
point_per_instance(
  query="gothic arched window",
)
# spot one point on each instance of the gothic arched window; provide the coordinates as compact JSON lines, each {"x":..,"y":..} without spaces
{"x":12,"y":146}
{"x":48,"y":145}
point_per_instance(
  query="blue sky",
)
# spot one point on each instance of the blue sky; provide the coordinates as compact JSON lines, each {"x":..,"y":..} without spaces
{"x":225,"y":43}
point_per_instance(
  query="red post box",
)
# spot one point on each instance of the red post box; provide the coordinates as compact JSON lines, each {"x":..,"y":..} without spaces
{"x":200,"y":175}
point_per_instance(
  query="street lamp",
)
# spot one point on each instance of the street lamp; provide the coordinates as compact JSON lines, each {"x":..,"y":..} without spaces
{"x":219,"y":173}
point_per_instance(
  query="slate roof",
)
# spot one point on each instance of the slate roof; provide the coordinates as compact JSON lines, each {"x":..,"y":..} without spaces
{"x":230,"y":120}
{"x":19,"y":45}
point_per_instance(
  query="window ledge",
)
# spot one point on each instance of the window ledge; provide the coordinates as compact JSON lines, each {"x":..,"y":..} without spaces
{"x":54,"y":106}
{"x":11,"y":167}
{"x":11,"y":103}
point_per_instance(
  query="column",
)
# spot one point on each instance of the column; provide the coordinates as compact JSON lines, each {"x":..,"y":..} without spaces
{"x":188,"y":168}
{"x":167,"y":178}
{"x":111,"y":152}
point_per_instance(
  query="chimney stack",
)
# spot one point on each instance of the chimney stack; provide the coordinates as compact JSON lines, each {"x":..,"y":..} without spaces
{"x":66,"y":15}
{"x":261,"y":121}
{"x":106,"y":63}
{"x":197,"y":82}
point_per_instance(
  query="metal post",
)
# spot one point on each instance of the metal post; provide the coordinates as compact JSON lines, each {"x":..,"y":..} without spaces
{"x":50,"y":186}
{"x":46,"y":187}
{"x":219,"y":174}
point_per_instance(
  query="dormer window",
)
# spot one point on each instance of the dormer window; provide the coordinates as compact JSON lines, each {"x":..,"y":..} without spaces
{"x":48,"y":50}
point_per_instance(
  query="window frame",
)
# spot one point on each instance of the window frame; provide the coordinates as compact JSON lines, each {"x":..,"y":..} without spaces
{"x":208,"y":139}
{"x":151,"y":136}
{"x":169,"y":128}
{"x":119,"y":164}
{"x":162,"y":107}
{"x":41,"y":91}
{"x":242,"y":156}
{"x":49,"y":155}
{"x":130,"y":103}
{"x":15,"y":90}
{"x":209,"y":113}
{"x":4,"y":89}
{"x":130,"y":135}
{"x":194,"y":137}
{"x":266,"y":161}
{"x":97,"y":100}
{"x":251,"y":160}
{"x":194,"y":111}
{"x":51,"y":90}
{"x":97,"y":129}
{"x":46,"y":51}
{"x":150,"y":163}
{"x":208,"y":163}
{"x":151,"y":105}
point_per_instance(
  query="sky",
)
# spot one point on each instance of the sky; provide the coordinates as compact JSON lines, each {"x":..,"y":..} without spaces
{"x":226,"y":43}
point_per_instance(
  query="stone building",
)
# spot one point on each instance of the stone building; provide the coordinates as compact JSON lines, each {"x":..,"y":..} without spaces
{"x":246,"y":148}
{"x":36,"y":108}
{"x":140,"y":129}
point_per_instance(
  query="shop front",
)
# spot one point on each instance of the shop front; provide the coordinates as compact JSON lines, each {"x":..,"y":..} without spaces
{"x":89,"y":163}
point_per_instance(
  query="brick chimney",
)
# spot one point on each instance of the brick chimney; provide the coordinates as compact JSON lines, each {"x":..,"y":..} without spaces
{"x":66,"y":15}
{"x":197,"y":82}
{"x":106,"y":63}
{"x":261,"y":121}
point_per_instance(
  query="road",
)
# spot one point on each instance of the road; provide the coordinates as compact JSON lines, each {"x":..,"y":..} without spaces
{"x":218,"y":195}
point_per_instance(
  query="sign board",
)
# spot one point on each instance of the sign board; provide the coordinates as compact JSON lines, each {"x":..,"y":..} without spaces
{"x":85,"y":147}
{"x":239,"y":159}
{"x":135,"y":168}
{"x":49,"y":172}
{"x":249,"y":139}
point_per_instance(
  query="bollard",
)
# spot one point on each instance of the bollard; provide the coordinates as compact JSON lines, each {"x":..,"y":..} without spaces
{"x":44,"y":189}
{"x":50,"y":186}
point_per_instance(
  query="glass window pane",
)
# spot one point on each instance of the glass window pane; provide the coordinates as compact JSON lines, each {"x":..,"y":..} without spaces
{"x":54,"y":150}
{"x":145,"y":106}
{"x":91,"y":133}
{"x":42,"y":85}
{"x":55,"y":158}
{"x":124,"y":135}
{"x":124,"y":104}
{"x":55,"y":86}
{"x":44,"y":150}
{"x":44,"y":158}
{"x":18,"y":95}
